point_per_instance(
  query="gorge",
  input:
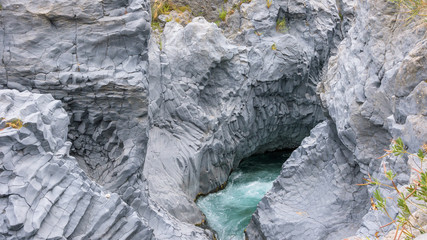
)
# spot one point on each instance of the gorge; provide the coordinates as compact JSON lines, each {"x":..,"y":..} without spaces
{"x":124,"y":128}
{"x":229,"y":211}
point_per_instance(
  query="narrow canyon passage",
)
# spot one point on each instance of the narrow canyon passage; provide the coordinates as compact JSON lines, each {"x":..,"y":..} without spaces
{"x":229,"y":211}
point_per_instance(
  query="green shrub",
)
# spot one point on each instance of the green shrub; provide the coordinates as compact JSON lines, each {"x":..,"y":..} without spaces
{"x":13,"y":123}
{"x":414,"y":196}
{"x":281,"y":26}
{"x":274,"y":47}
{"x":222,"y":14}
{"x":164,"y":7}
{"x":413,"y":8}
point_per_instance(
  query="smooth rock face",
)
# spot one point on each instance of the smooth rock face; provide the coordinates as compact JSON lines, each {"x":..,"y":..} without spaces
{"x":44,"y":194}
{"x":373,"y":91}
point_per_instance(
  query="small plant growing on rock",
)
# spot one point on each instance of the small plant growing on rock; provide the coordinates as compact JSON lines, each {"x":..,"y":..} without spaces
{"x":222,"y":14}
{"x":13,"y":123}
{"x":269,"y":2}
{"x":281,"y":26}
{"x":156,"y":26}
{"x":415,"y":196}
{"x":165,"y":7}
{"x":274,"y":47}
{"x":413,"y":8}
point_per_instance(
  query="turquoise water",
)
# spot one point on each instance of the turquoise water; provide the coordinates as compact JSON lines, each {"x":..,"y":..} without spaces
{"x":229,"y":211}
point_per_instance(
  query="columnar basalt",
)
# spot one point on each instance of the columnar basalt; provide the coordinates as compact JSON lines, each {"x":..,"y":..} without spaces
{"x":44,"y":193}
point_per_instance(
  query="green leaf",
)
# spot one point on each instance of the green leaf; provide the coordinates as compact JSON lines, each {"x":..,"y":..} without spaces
{"x":420,"y":154}
{"x":398,"y":147}
{"x":390,"y":175}
{"x":401,"y":203}
{"x":381,"y":202}
{"x":399,"y":142}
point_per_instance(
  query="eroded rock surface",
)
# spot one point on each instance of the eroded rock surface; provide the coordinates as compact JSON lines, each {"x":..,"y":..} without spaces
{"x":93,"y":57}
{"x":315,"y":196}
{"x":154,"y":124}
{"x":374,"y":90}
{"x":44,"y":194}
{"x":159,"y":126}
{"x":214,"y":102}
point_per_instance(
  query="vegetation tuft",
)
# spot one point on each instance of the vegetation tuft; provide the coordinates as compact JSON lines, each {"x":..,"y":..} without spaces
{"x":13,"y":123}
{"x":269,"y":2}
{"x":281,"y":26}
{"x":222,"y":14}
{"x":274,"y":47}
{"x":165,"y":7}
{"x":413,"y":8}
{"x":415,"y":196}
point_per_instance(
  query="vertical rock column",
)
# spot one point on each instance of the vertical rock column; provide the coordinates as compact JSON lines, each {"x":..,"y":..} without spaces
{"x":91,"y":55}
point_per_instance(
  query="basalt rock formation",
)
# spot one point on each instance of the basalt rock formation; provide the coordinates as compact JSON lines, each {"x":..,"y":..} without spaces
{"x":44,"y":193}
{"x":214,"y":102}
{"x":374,"y":90}
{"x":153,"y":122}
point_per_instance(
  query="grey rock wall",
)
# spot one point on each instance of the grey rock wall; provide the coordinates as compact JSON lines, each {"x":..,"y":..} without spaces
{"x":382,"y":95}
{"x":154,"y":124}
{"x":44,"y":194}
{"x":93,"y":57}
{"x":315,"y":196}
{"x":373,"y":90}
{"x":159,"y":126}
{"x":214,"y":101}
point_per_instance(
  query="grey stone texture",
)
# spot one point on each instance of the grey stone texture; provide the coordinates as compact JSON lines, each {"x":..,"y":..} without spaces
{"x":44,"y":194}
{"x":373,"y":90}
{"x":155,"y":121}
{"x":214,"y":101}
{"x":315,"y":196}
{"x":93,"y":56}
